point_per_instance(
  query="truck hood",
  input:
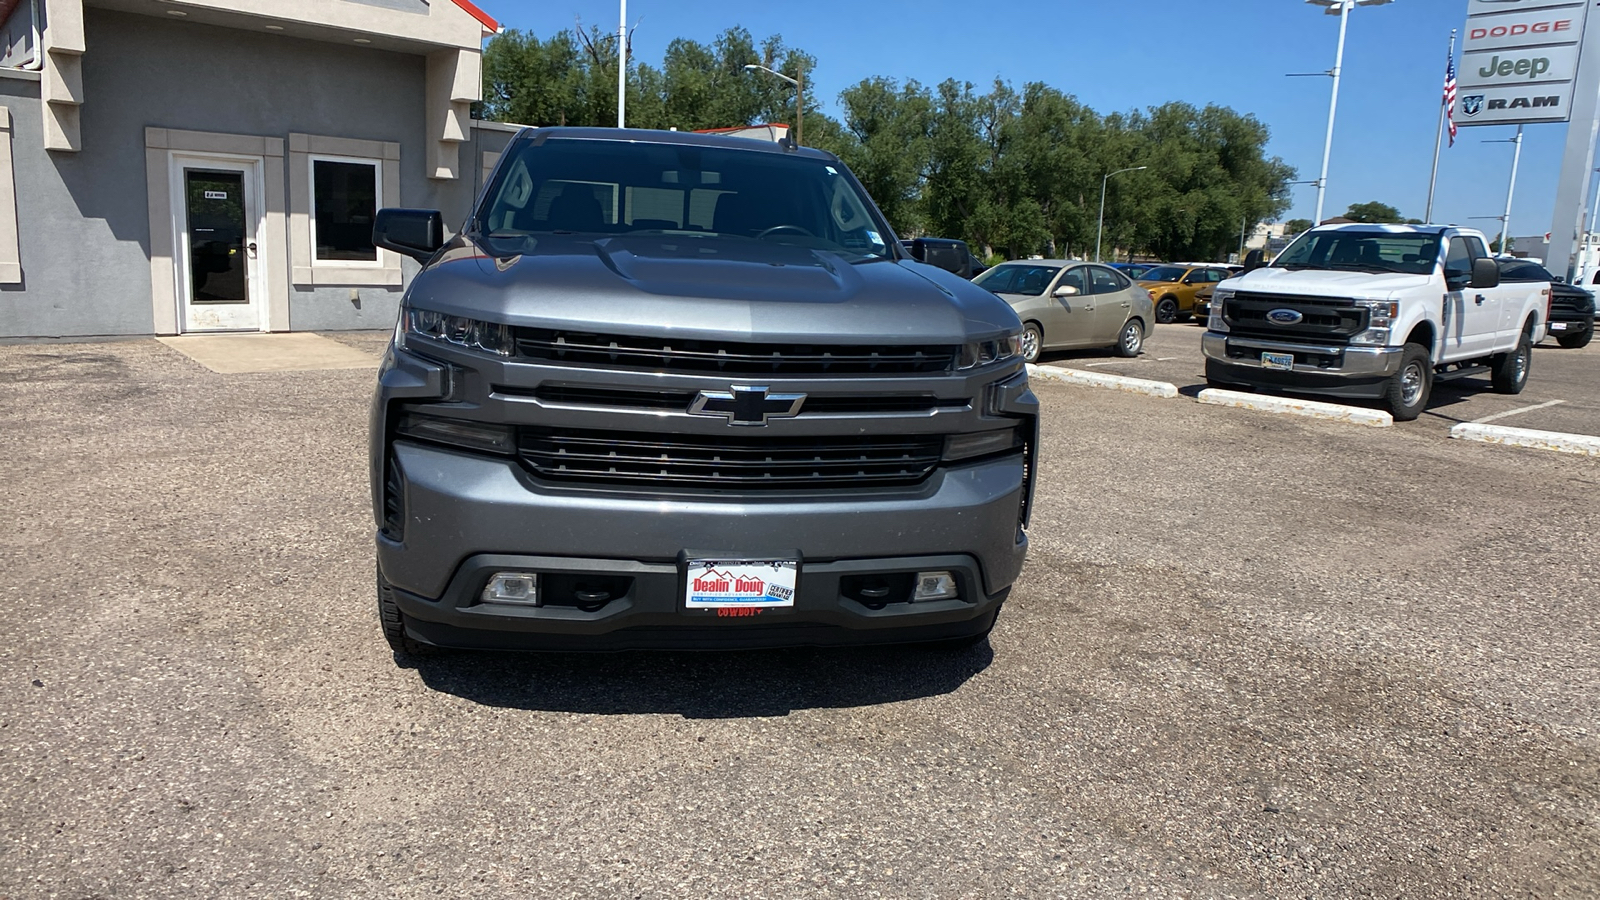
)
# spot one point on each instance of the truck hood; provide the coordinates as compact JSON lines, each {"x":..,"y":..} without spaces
{"x":1326,"y":283}
{"x":706,"y":287}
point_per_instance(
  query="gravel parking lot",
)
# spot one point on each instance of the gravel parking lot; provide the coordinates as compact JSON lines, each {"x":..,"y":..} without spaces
{"x":1570,"y":378}
{"x":1251,"y":656}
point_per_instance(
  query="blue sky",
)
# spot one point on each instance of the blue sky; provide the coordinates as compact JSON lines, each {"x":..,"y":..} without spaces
{"x":1137,"y":53}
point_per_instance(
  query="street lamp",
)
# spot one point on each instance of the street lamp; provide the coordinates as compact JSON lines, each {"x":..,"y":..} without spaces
{"x":799,"y":98}
{"x":1340,"y":8}
{"x":1101,"y":227}
{"x":1505,"y":220}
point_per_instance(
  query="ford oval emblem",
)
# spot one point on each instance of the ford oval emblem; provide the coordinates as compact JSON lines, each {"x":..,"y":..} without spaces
{"x":1285,"y":317}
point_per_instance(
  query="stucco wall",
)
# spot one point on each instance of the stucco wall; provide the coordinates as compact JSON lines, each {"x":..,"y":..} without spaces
{"x":84,"y":216}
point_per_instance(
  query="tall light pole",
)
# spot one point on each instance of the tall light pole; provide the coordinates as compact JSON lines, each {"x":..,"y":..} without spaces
{"x":1101,"y":227}
{"x":622,"y":64}
{"x":1511,"y":189}
{"x":1340,"y":8}
{"x":799,"y":98}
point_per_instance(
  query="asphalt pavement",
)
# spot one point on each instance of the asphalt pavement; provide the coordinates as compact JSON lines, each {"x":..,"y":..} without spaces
{"x":1250,"y":656}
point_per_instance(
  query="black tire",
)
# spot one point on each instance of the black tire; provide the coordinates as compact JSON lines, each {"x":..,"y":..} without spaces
{"x":1574,"y":341}
{"x":1406,"y":393}
{"x":1167,"y":310}
{"x":1130,"y":340}
{"x":1033,"y":337}
{"x":393,"y":623}
{"x":1510,"y":372}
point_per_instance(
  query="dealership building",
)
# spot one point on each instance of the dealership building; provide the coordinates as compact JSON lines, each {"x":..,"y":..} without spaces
{"x":175,"y":166}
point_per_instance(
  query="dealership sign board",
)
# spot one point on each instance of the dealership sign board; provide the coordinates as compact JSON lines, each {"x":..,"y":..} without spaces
{"x":1518,"y":61}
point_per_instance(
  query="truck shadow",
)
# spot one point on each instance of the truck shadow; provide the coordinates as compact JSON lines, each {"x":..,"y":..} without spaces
{"x":707,"y":685}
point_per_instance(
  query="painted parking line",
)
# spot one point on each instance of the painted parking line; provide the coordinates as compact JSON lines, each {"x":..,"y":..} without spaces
{"x":1113,"y":362}
{"x":1517,"y":412}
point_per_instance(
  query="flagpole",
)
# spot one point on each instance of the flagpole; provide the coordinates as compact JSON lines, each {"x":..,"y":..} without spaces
{"x":1438,"y":137}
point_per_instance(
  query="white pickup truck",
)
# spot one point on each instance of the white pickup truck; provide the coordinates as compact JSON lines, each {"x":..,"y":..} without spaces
{"x":1378,"y":312}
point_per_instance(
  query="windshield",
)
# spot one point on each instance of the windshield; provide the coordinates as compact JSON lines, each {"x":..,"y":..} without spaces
{"x":1164,"y":273}
{"x":568,"y":186}
{"x":1018,"y":279}
{"x":1362,"y":251}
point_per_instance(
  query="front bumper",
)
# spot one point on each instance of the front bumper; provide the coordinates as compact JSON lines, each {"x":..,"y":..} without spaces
{"x":1334,"y":370}
{"x":467,"y":516}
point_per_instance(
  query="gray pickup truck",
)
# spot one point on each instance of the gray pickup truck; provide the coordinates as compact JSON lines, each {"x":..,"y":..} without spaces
{"x":669,"y":390}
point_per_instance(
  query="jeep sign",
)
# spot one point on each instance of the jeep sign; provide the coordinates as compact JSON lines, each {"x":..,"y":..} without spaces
{"x":1539,"y":65}
{"x":1518,"y":64}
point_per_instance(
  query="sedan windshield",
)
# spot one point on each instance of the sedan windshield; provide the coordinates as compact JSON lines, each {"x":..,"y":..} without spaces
{"x":605,"y":188}
{"x":1362,"y":251}
{"x":1164,"y":273}
{"x":1018,"y":278}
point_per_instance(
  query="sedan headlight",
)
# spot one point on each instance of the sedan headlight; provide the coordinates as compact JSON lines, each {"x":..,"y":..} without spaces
{"x":472,"y":334}
{"x":982,"y":353}
{"x":1215,"y":322}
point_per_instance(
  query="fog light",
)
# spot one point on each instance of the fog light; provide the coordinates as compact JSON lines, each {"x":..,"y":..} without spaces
{"x":512,"y":587}
{"x":934,"y":586}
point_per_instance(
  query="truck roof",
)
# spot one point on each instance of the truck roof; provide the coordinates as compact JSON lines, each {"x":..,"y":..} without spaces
{"x":1397,"y":229}
{"x":682,"y":138}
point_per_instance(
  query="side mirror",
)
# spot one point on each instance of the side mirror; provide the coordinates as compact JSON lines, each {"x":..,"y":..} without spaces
{"x":1066,"y":290}
{"x":1485,"y":273}
{"x":1254,"y":260}
{"x":417,"y":233}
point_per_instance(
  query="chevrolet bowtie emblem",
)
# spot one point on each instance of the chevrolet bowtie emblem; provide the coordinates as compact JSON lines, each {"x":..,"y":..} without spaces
{"x":747,"y":405}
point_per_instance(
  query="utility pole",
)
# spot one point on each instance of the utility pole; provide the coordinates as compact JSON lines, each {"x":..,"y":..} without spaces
{"x":1333,"y":107}
{"x":622,"y":65}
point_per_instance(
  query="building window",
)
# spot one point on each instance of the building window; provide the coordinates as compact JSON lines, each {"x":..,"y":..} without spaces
{"x":336,"y":187}
{"x":344,"y":202}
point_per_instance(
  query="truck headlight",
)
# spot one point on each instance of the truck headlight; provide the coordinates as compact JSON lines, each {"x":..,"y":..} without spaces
{"x":472,"y":334}
{"x":982,"y":353}
{"x":1380,"y":318}
{"x":1215,"y":322}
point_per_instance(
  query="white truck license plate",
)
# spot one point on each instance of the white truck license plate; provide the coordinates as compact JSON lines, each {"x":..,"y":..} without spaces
{"x":1283,"y":361}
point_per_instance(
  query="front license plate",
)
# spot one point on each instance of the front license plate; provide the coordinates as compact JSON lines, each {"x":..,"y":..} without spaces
{"x":1558,"y":326}
{"x":1284,"y":361}
{"x":740,"y":583}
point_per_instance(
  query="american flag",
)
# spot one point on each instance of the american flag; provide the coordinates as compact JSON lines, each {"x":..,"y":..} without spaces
{"x":1450,"y":93}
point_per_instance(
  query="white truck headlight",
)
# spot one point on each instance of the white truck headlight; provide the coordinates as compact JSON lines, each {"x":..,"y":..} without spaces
{"x":1215,"y":322}
{"x":1380,"y":318}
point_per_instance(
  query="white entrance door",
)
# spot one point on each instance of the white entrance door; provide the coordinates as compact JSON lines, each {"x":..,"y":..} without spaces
{"x":217,"y":220}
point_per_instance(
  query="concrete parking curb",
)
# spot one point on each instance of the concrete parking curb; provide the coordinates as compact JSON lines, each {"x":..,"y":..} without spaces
{"x":1585,"y":444}
{"x":1096,"y":379}
{"x":1333,"y":412}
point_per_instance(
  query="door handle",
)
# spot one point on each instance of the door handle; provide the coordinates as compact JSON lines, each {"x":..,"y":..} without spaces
{"x":252,"y":248}
{"x":1479,"y":299}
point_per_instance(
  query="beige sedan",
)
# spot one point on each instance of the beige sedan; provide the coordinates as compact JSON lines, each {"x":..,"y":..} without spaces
{"x":1065,"y":304}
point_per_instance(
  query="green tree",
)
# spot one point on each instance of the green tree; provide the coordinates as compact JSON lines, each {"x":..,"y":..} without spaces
{"x":1373,"y":211}
{"x":1295,"y":226}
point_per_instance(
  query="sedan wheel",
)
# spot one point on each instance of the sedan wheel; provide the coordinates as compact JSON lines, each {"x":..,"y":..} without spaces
{"x":1167,"y":311}
{"x":1032,"y":343}
{"x":1131,"y":340}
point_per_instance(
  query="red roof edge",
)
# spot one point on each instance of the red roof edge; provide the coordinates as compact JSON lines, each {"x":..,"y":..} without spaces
{"x":487,"y":21}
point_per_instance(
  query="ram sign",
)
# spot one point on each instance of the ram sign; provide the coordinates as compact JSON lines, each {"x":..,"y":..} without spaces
{"x":1518,"y":63}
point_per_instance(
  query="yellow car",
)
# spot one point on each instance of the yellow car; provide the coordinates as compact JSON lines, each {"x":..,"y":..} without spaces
{"x":1173,"y":288}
